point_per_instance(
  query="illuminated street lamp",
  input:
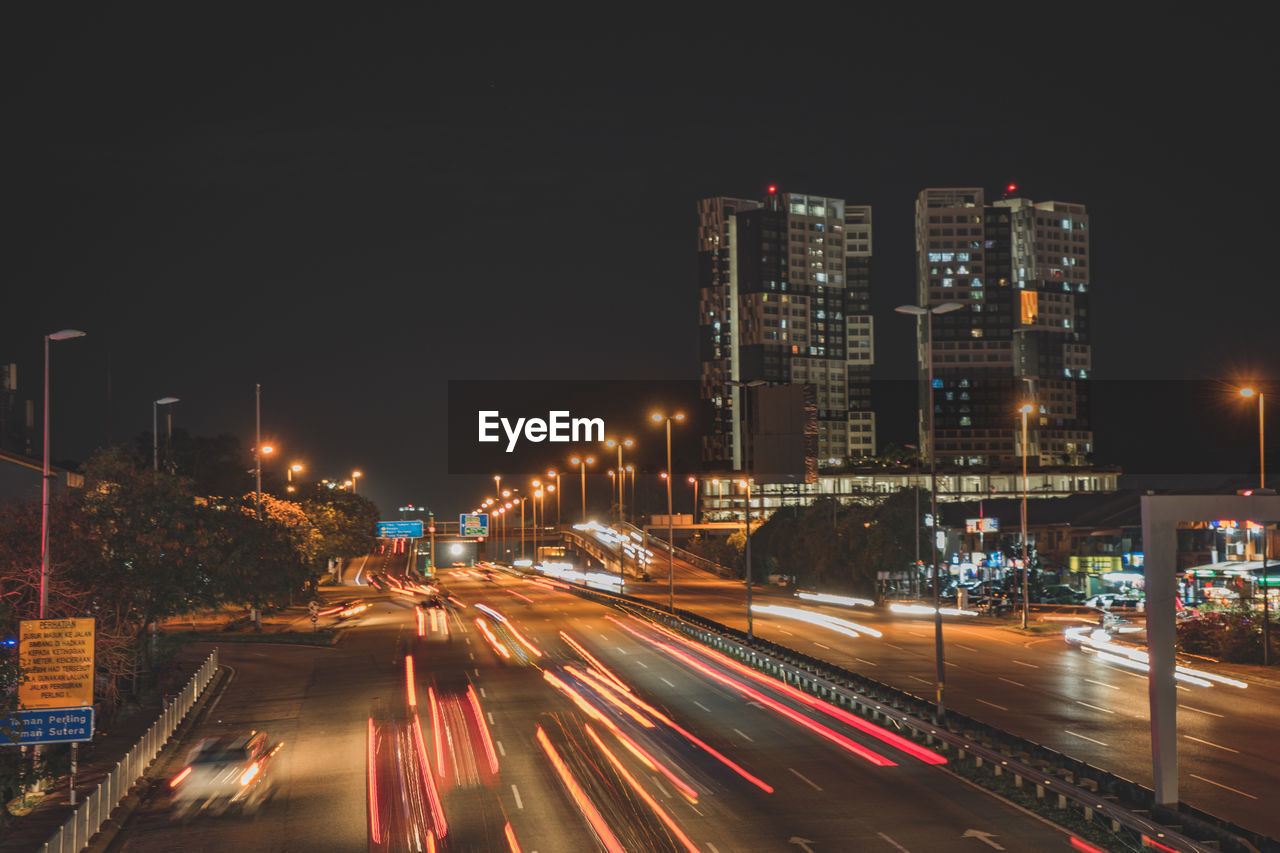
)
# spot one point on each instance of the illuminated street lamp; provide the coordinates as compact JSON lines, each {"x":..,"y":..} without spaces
{"x":612,"y":443}
{"x":1025,"y":410}
{"x":155,"y":428}
{"x":918,"y":311}
{"x":355,"y":475}
{"x":659,"y":417}
{"x":582,"y":463}
{"x":295,"y":468}
{"x":1262,"y":458}
{"x":556,"y":489}
{"x":693,"y":485}
{"x":65,"y":334}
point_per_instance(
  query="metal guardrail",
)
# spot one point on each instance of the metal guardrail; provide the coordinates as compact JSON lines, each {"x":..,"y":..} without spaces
{"x":1099,"y":796}
{"x":96,"y":809}
{"x":689,"y":557}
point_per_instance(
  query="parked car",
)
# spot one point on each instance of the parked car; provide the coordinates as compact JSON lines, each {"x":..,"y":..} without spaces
{"x":1060,"y":593}
{"x":233,"y":771}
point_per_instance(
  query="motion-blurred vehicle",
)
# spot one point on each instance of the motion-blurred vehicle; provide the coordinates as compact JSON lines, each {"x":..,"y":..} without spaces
{"x":1060,"y":593}
{"x":232,"y":771}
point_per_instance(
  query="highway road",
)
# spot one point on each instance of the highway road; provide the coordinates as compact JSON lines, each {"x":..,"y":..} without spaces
{"x":542,"y":722}
{"x":1038,"y":687}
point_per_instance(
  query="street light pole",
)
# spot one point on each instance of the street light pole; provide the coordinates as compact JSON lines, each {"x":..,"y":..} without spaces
{"x":1026,"y":600}
{"x":658,"y":417}
{"x":63,"y":335}
{"x":940,"y":675}
{"x":746,"y":484}
{"x":257,"y":449}
{"x":155,"y":428}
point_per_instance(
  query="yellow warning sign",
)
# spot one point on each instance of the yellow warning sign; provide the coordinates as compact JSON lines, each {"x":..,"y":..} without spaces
{"x":55,"y":658}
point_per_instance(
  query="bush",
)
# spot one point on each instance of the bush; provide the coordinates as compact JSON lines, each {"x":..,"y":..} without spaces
{"x":1232,"y":636}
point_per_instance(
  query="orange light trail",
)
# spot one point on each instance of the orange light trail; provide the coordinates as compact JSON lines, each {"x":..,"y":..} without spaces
{"x":375,"y":826}
{"x":910,"y":747}
{"x":644,"y":795}
{"x":493,"y":641}
{"x":528,"y":645}
{"x":411,"y":691}
{"x":772,"y":704}
{"x":577,"y":647}
{"x":435,"y":732}
{"x":606,"y":836}
{"x":607,"y":693}
{"x":177,"y":780}
{"x":484,"y":729}
{"x":634,"y":748}
{"x":458,"y":601}
{"x":433,"y":795}
{"x":511,"y":838}
{"x":518,"y":595}
{"x":658,"y":715}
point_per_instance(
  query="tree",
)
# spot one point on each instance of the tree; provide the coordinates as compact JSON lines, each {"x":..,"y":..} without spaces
{"x":346,"y":522}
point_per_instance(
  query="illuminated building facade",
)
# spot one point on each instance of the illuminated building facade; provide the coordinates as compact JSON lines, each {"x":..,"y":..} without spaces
{"x":1021,"y":270}
{"x":784,"y":298}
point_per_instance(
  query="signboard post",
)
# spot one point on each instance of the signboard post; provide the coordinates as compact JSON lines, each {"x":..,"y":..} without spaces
{"x":55,"y":658}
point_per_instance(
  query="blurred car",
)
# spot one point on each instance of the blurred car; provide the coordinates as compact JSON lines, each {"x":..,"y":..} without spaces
{"x":1060,"y":593}
{"x":232,"y":771}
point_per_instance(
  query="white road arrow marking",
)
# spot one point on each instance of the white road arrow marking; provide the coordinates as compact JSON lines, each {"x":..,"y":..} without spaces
{"x":803,"y":843}
{"x":984,"y":837}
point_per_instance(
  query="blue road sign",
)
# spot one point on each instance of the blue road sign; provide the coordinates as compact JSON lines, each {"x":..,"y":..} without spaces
{"x":48,"y":725}
{"x":399,"y":529}
{"x":474,"y":524}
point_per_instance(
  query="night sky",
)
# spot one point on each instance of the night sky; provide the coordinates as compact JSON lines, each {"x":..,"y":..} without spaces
{"x":354,"y":210}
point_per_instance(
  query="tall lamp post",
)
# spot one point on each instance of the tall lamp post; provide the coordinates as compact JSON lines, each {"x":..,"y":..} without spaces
{"x":927,"y":352}
{"x":582,"y":463}
{"x":693,"y":485}
{"x":295,"y":468}
{"x":1025,"y":410}
{"x":556,"y":474}
{"x":65,"y":334}
{"x":746,"y":484}
{"x":1262,"y":485}
{"x":612,"y":443}
{"x":678,"y":417}
{"x":355,"y":475}
{"x":155,"y":428}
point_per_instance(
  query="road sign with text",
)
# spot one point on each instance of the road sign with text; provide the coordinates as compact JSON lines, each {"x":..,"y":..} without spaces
{"x":399,"y":529}
{"x":55,"y":659}
{"x":475,"y":524}
{"x":49,"y":725}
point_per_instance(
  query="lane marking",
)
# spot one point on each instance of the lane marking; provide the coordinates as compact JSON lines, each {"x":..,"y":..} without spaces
{"x":1102,"y":684}
{"x":489,"y":714}
{"x":1220,"y":785}
{"x":892,"y":646}
{"x":710,"y":846}
{"x":808,"y":781}
{"x":821,"y":646}
{"x":895,"y":844}
{"x":603,"y":637}
{"x":1085,"y":737}
{"x":501,"y":751}
{"x":744,"y":734}
{"x":919,"y":679}
{"x":621,"y":650}
{"x":1024,"y":663}
{"x":1011,"y":681}
{"x":643,"y":664}
{"x":993,"y":704}
{"x":664,"y":791}
{"x":785,"y":631}
{"x":700,"y":705}
{"x":1203,"y":711}
{"x":664,"y":681}
{"x":1095,"y":707}
{"x":471,"y":655}
{"x":482,"y":696}
{"x":1209,"y":743}
{"x":1180,"y":687}
{"x":963,"y":646}
{"x":516,"y":792}
{"x":867,"y":662}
